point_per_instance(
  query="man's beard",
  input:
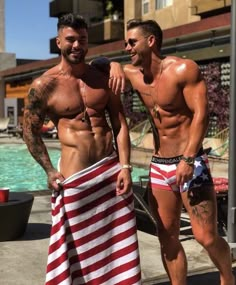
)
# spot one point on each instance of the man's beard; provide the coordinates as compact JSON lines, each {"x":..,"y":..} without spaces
{"x":78,"y":58}
{"x":137,"y":61}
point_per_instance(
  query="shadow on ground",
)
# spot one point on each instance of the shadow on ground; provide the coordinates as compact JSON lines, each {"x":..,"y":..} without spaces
{"x":36,"y":231}
{"x":210,"y":278}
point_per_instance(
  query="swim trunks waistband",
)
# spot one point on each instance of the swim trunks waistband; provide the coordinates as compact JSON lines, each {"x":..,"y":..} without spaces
{"x":172,"y":160}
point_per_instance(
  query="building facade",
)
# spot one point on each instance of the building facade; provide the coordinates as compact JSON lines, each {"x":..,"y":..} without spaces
{"x":196,"y":29}
{"x":7,"y":60}
{"x":101,"y":28}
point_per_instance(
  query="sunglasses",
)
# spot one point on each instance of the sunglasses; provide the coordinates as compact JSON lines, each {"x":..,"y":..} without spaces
{"x":132,"y":42}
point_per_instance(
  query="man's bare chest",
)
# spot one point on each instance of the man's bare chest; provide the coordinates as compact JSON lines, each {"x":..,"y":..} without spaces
{"x":161,"y":95}
{"x":73,"y":98}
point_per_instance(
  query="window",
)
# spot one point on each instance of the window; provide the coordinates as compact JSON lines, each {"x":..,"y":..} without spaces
{"x":145,"y":6}
{"x":159,"y":4}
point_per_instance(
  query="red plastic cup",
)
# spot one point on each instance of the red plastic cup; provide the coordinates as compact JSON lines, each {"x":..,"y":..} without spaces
{"x":4,"y":194}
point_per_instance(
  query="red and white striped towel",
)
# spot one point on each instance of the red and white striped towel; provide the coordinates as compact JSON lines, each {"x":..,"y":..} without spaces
{"x":93,"y":238}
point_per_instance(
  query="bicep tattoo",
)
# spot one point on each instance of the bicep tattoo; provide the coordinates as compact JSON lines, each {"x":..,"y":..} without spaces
{"x":34,"y":109}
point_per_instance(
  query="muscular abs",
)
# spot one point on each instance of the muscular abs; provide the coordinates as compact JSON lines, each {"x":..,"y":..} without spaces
{"x":82,"y":145}
{"x":171,"y":117}
{"x":83,"y":132}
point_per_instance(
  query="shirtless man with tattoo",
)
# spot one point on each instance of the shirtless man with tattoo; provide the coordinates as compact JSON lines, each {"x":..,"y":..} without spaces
{"x":175,"y":95}
{"x":93,"y":180}
{"x":74,"y":95}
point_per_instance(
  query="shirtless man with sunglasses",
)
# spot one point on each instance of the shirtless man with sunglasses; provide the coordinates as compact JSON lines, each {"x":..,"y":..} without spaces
{"x":175,"y":96}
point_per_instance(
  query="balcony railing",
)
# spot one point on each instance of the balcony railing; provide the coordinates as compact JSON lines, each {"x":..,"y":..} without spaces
{"x":106,"y":31}
{"x":53,"y":46}
{"x":59,"y":7}
{"x":204,"y":6}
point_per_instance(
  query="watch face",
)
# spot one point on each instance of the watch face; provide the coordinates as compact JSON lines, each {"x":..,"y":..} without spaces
{"x":189,"y":160}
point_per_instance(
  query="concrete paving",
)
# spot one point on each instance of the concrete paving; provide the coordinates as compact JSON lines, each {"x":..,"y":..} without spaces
{"x":23,"y":261}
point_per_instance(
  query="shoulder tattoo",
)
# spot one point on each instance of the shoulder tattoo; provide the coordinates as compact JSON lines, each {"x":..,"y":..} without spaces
{"x":35,"y":102}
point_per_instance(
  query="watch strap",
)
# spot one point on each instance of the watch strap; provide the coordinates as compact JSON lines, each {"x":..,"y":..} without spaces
{"x":127,"y":166}
{"x":188,"y":159}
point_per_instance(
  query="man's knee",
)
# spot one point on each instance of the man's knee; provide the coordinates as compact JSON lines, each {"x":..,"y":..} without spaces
{"x":207,"y":240}
{"x":170,"y":247}
{"x":168,"y":233}
{"x":168,"y":239}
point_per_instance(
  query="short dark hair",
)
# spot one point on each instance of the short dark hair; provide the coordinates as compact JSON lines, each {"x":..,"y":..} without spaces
{"x":74,"y":21}
{"x":149,"y":27}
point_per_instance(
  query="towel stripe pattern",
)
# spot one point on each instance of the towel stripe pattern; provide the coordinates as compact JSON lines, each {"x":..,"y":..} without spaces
{"x":93,"y":237}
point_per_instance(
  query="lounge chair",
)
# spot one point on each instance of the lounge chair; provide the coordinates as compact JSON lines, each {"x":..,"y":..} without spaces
{"x":49,"y":130}
{"x":50,"y":133}
{"x":4,"y":126}
{"x":219,"y":144}
{"x":221,"y":188}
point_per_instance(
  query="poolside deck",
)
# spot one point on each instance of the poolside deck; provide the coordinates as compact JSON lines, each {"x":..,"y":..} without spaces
{"x":140,"y":156}
{"x":23,"y":261}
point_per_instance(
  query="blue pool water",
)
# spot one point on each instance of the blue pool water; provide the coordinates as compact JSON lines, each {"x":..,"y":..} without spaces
{"x":20,"y":172}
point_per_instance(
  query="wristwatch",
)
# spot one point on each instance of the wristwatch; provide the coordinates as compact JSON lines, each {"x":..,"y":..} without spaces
{"x":188,"y":159}
{"x":127,"y":166}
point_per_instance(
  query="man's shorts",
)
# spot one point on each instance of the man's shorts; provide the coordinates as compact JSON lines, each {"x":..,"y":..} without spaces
{"x":163,"y":173}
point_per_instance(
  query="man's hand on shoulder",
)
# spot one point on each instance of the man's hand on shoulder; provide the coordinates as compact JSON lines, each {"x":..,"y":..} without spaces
{"x":115,"y":72}
{"x":117,"y":78}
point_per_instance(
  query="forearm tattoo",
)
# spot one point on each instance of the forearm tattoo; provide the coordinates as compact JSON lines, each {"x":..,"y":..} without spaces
{"x":33,"y":120}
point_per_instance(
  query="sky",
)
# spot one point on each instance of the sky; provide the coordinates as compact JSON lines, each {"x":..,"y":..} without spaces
{"x":28,"y":28}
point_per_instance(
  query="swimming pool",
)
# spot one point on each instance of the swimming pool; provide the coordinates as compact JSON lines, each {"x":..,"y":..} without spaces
{"x":20,"y":172}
